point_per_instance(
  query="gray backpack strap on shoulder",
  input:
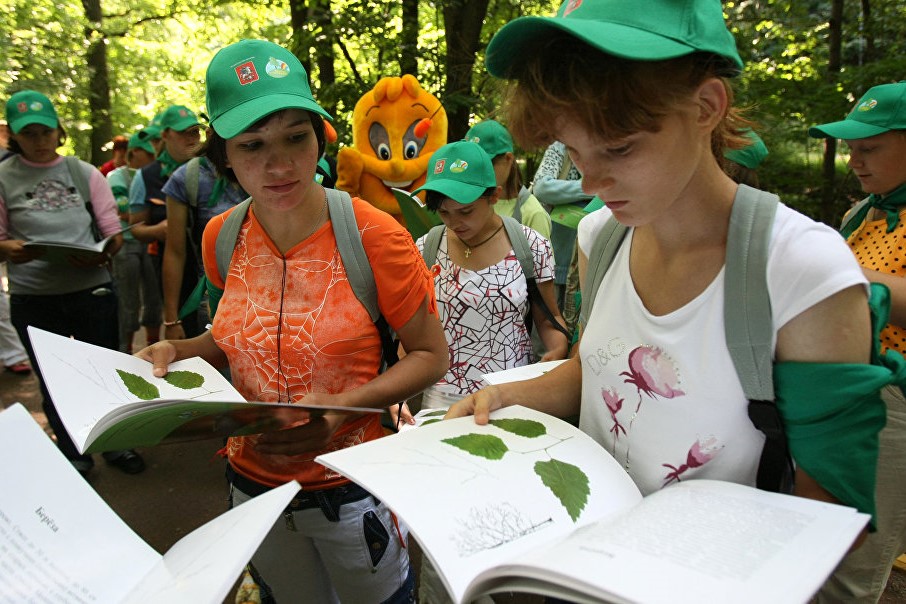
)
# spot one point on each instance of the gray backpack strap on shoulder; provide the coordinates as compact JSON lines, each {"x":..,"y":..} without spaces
{"x":193,"y":174}
{"x":600,"y":258}
{"x":747,"y":306}
{"x":521,"y":246}
{"x":226,"y":238}
{"x":352,"y":252}
{"x":432,"y":244}
{"x":78,"y":177}
{"x":520,"y":200}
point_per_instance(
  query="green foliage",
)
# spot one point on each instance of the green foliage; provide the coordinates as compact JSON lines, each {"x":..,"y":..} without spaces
{"x":480,"y":445}
{"x":567,"y":482}
{"x":187,"y":380}
{"x":139,"y":386}
{"x":521,"y":427}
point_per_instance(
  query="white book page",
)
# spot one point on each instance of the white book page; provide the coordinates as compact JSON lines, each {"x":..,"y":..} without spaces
{"x":526,"y":372}
{"x":59,"y":541}
{"x":204,"y":565}
{"x":87,"y":382}
{"x":470,"y":512}
{"x":704,"y":541}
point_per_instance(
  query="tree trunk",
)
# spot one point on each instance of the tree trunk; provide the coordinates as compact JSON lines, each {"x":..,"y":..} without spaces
{"x":408,"y":57}
{"x":829,"y":202}
{"x":868,"y":53}
{"x":462,"y":25}
{"x":99,"y":88}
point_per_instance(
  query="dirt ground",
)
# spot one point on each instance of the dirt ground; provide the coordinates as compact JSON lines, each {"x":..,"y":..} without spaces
{"x":183,"y":487}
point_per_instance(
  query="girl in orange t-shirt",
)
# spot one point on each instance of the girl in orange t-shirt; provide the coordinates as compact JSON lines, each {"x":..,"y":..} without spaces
{"x":292,"y":330}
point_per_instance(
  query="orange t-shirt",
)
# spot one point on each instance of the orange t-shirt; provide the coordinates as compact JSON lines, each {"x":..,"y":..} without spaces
{"x":303,"y":304}
{"x":878,"y":250}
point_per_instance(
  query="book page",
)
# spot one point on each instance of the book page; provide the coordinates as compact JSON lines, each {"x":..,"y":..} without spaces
{"x":60,"y":251}
{"x":59,"y":541}
{"x":701,"y":541}
{"x":87,"y":382}
{"x":204,"y":565}
{"x":475,"y":496}
{"x":526,"y":372}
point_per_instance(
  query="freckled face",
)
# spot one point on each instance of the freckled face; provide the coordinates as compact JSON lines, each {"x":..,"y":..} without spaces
{"x":38,"y":143}
{"x":879,"y":162}
{"x":639,"y":176}
{"x":275,"y":161}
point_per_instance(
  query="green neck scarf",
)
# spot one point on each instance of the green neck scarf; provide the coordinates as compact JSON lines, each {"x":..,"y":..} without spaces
{"x":167,"y":163}
{"x":891,"y":204}
{"x":217,"y":191}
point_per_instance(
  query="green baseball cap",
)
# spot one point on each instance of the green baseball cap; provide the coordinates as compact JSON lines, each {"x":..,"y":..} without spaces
{"x":251,"y":79}
{"x":644,"y":31}
{"x":137,"y":141}
{"x":492,"y":136}
{"x":30,"y":107}
{"x":178,"y":117}
{"x":751,"y":155}
{"x":461,"y":171}
{"x":881,"y":109}
{"x":153,"y":129}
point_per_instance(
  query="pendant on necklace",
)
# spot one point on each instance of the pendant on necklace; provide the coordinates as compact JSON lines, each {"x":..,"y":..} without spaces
{"x":468,"y":252}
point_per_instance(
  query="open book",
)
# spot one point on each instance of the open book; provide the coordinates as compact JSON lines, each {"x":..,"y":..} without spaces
{"x":63,"y":543}
{"x":530,"y":503}
{"x":109,"y":400}
{"x":61,"y":251}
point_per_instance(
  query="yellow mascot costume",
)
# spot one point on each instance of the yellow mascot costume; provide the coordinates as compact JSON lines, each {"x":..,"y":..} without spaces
{"x":396,"y":126}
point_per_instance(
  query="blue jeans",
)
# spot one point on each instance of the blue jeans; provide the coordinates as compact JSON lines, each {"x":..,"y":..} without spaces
{"x":88,"y":315}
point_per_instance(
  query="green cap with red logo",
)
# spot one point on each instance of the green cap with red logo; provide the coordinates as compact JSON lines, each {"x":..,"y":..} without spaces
{"x":462,"y":171}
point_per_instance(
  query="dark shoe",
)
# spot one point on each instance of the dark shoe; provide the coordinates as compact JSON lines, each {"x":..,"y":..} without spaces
{"x":82,"y":464}
{"x":128,"y":461}
{"x":22,"y":368}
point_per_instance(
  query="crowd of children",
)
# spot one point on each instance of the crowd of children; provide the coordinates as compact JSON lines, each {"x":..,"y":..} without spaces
{"x":635,"y":112}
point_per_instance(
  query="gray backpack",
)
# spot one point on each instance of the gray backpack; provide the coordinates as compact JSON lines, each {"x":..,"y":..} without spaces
{"x":748,"y":324}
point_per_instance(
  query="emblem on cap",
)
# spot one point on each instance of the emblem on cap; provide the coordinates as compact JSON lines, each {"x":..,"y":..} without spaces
{"x":571,"y":6}
{"x":439,"y":166}
{"x":36,"y":106}
{"x":459,"y":166}
{"x":276,"y":68}
{"x":246,"y":73}
{"x":868,"y":105}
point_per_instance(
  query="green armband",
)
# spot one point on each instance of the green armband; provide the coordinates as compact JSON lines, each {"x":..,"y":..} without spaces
{"x":833,"y":414}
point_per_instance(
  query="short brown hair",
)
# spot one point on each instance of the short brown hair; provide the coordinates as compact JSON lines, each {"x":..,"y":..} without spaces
{"x":562,"y":75}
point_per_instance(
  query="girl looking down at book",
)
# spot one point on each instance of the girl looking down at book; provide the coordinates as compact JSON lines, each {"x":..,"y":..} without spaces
{"x":47,"y":197}
{"x":291,"y":329}
{"x":643,"y":102}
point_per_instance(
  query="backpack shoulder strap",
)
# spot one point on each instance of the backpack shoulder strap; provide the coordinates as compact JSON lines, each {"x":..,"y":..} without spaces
{"x":352,"y":252}
{"x":74,"y":165}
{"x":747,"y":307}
{"x":521,"y":246}
{"x":852,"y":213}
{"x":600,"y":258}
{"x":193,"y":172}
{"x":520,"y":200}
{"x":226,"y":238}
{"x":432,"y":244}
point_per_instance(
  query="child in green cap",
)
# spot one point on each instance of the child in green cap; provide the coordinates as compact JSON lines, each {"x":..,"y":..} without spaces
{"x":875,"y":132}
{"x":642,"y":101}
{"x":292,"y":329}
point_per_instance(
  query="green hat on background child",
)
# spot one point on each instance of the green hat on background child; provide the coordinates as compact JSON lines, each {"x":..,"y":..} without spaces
{"x":752,"y":154}
{"x":251,"y":79}
{"x":178,"y":117}
{"x":30,"y":107}
{"x":880,"y":110}
{"x":153,"y":129}
{"x":461,"y":171}
{"x":137,"y":141}
{"x":654,"y":30}
{"x":492,"y":136}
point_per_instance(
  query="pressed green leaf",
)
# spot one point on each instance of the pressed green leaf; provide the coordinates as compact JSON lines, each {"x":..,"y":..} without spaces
{"x":431,"y":421}
{"x":567,"y":482}
{"x":187,"y":380}
{"x":481,"y":445}
{"x":139,"y":386}
{"x":439,"y":412}
{"x":521,"y":427}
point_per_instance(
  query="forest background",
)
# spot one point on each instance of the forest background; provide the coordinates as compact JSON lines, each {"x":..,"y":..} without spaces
{"x":110,"y":65}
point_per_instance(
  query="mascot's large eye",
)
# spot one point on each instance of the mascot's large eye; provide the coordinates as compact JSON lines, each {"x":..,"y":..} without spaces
{"x":412,"y":144}
{"x":380,"y":141}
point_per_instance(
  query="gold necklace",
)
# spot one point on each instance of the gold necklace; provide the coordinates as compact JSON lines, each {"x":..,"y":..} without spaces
{"x":469,"y":248}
